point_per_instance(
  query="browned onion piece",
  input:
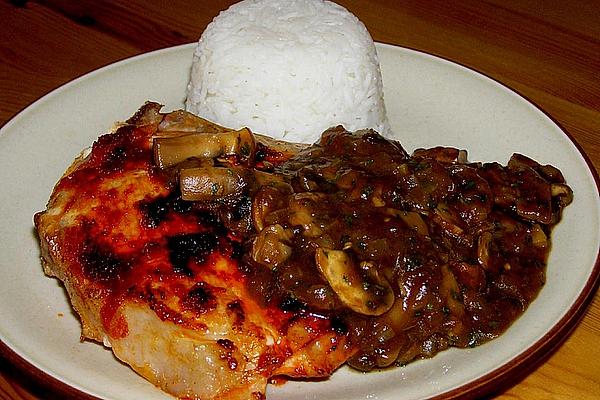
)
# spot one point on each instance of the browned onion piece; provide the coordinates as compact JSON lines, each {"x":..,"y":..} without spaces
{"x":471,"y":276}
{"x":266,"y":200}
{"x":262,"y":178}
{"x":538,"y":237}
{"x":445,"y":218}
{"x":483,"y":249}
{"x":210,"y":183}
{"x":376,"y":197}
{"x":443,"y":154}
{"x":450,"y":291}
{"x":171,"y":150}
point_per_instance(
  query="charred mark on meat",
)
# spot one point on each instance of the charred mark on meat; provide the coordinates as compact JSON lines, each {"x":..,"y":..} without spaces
{"x":291,"y":304}
{"x":200,"y":299}
{"x":235,"y":308}
{"x":163,"y":311}
{"x":264,"y":153}
{"x":338,"y":325}
{"x":226,"y":353}
{"x":113,"y":152}
{"x":237,"y":250}
{"x":100,"y":264}
{"x":210,"y":219}
{"x":190,"y":246}
{"x":156,"y":210}
{"x":117,"y":155}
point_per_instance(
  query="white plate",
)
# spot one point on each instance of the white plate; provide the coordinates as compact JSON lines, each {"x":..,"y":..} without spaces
{"x":430,"y":102}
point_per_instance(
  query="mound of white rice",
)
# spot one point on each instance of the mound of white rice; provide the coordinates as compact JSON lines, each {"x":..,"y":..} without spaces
{"x":287,"y":68}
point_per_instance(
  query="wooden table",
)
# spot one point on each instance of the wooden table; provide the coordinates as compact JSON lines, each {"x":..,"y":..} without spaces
{"x":548,"y":50}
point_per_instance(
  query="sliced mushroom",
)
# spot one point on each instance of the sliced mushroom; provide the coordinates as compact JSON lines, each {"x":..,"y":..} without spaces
{"x":350,"y":179}
{"x":563,"y":192}
{"x":276,"y":217}
{"x":538,"y":237}
{"x":361,"y":289}
{"x":410,"y":218}
{"x":171,"y":150}
{"x":551,"y":173}
{"x":303,"y":213}
{"x":210,"y":183}
{"x":534,"y":195}
{"x":271,"y":246}
{"x":518,"y":161}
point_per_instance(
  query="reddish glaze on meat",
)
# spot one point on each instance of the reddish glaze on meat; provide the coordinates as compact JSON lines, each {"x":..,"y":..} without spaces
{"x":211,"y":260}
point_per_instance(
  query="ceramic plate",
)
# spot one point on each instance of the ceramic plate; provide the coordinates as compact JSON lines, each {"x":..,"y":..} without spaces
{"x":430,"y":102}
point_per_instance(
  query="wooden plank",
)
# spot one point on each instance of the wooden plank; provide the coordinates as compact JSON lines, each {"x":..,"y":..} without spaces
{"x":149,"y":25}
{"x":41,"y":50}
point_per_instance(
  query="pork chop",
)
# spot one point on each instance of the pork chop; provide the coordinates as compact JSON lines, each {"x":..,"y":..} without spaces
{"x":158,"y":279}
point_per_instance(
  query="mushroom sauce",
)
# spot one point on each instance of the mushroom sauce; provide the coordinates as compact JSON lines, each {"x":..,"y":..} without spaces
{"x":406,"y":255}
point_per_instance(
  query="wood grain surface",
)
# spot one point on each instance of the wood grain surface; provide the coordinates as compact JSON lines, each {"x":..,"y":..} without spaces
{"x":548,"y":50}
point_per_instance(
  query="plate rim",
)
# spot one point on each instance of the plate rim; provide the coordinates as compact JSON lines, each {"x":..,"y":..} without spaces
{"x":498,"y":379}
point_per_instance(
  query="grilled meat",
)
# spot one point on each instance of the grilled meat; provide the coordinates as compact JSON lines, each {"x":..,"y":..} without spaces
{"x":159,"y":279}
